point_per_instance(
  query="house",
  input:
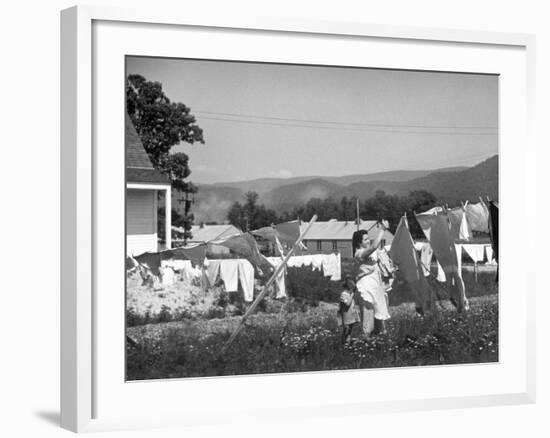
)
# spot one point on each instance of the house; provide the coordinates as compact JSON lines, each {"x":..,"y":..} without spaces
{"x":335,"y":236}
{"x":206,"y":233}
{"x":143,"y":183}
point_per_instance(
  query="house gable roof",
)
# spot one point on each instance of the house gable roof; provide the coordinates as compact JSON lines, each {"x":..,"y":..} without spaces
{"x":139,"y":168}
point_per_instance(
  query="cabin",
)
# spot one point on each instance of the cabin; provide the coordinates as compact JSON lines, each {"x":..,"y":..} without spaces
{"x":143,"y":185}
{"x":334,"y":236}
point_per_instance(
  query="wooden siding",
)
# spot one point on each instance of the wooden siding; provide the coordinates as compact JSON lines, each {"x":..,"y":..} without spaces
{"x":141,"y":221}
{"x":329,"y":246}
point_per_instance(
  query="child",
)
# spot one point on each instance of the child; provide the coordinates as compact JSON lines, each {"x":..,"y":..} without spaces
{"x":347,"y":310}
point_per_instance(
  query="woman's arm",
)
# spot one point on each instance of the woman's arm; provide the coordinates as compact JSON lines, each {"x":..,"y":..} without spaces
{"x":363,"y":253}
{"x":378,"y":239}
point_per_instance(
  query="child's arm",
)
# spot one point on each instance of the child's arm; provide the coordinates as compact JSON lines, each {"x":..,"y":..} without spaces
{"x":346,"y":298}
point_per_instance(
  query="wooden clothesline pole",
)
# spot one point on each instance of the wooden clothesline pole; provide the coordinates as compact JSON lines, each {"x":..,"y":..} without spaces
{"x":271,"y":280}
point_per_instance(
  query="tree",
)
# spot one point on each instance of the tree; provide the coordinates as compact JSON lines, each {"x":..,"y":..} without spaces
{"x":162,"y":124}
{"x":178,"y":220}
{"x":250,"y":215}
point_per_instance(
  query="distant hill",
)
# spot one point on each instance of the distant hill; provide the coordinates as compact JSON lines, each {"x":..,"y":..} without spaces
{"x":450,"y":185}
{"x":285,"y":198}
{"x":264,"y":185}
{"x":470,"y":184}
{"x":211,"y":203}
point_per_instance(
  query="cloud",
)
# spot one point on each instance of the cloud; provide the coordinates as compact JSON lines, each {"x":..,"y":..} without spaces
{"x":281,"y":173}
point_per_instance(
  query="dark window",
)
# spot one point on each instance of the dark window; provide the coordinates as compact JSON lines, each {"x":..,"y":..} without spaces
{"x":319,"y":247}
{"x":334,"y":245}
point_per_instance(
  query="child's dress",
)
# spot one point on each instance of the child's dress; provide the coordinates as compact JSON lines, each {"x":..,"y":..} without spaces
{"x":348,"y":310}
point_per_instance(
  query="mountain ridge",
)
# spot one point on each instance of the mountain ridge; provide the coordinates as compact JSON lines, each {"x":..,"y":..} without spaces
{"x":449,"y":185}
{"x":262,"y":185}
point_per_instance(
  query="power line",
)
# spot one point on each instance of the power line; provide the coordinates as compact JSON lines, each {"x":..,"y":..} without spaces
{"x":376,"y":125}
{"x":341,"y":128}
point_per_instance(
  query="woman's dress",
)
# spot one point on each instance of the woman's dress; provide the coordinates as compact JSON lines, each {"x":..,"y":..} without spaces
{"x":370,"y":285}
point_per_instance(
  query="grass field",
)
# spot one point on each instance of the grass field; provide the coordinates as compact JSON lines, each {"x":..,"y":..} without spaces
{"x":310,"y":340}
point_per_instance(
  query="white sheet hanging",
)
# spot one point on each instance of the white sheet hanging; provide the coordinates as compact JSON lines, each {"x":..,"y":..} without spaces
{"x":475,"y":251}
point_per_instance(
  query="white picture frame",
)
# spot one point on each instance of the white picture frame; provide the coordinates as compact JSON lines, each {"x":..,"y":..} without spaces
{"x":92,"y":393}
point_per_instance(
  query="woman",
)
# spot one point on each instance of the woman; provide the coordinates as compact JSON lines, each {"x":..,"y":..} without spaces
{"x":372,"y":300}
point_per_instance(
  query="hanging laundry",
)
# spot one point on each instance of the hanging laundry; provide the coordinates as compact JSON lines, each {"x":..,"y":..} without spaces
{"x":168,"y":276}
{"x":151,"y":260}
{"x":288,"y":232}
{"x":229,"y":273}
{"x":475,"y":251}
{"x":196,"y":253}
{"x":459,"y":280}
{"x":279,"y":246}
{"x":441,"y":274}
{"x":267,"y":233}
{"x":493,"y":221}
{"x":176,"y":265}
{"x":458,"y":249}
{"x":245,"y":245}
{"x":212,"y":272}
{"x":436,"y":227}
{"x":338,"y":274}
{"x":426,"y":255}
{"x":478,"y":217}
{"x":280,"y":286}
{"x":490,"y":256}
{"x":459,"y":224}
{"x":184,"y":267}
{"x":465,"y":232}
{"x":385,"y":263}
{"x":434,"y":210}
{"x":246,"y":279}
{"x":131,"y":263}
{"x":493,"y":214}
{"x":317,"y":262}
{"x":387,"y":268}
{"x":299,"y":261}
{"x":404,"y":256}
{"x":331,"y":266}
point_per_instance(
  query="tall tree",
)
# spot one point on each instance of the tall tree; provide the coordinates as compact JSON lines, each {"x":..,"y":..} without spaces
{"x":251,"y":215}
{"x":162,"y":124}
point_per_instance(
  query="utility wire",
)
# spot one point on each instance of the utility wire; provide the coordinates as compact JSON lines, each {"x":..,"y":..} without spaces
{"x":376,"y":125}
{"x":338,"y":128}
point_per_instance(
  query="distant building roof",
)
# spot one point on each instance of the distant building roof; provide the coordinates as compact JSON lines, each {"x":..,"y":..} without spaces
{"x":139,"y":168}
{"x":339,"y":230}
{"x":206,"y":233}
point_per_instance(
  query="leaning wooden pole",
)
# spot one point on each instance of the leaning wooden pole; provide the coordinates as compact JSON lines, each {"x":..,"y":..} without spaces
{"x":271,"y":280}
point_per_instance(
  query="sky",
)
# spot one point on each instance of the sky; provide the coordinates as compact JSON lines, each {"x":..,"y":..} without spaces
{"x":281,"y":120}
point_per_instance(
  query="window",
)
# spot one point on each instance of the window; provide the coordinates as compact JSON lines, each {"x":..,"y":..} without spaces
{"x":319,"y":247}
{"x":335,"y":245}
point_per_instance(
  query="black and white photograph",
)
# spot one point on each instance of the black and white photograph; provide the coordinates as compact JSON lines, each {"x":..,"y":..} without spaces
{"x":289,"y":218}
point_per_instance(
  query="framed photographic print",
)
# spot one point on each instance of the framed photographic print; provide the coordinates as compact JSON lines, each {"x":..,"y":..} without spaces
{"x":257,"y":208}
